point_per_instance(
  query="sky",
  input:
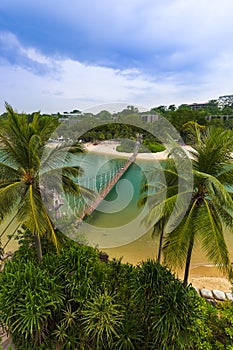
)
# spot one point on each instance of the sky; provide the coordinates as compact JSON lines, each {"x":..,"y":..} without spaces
{"x":61,"y":55}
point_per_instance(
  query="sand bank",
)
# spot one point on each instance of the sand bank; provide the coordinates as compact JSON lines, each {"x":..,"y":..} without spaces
{"x":203,"y":276}
{"x":110,"y":148}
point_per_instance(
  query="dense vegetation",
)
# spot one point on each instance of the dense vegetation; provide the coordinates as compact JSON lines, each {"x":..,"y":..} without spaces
{"x":209,"y":210}
{"x":105,"y":126}
{"x":77,"y":301}
{"x":74,"y":298}
{"x":30,"y":171}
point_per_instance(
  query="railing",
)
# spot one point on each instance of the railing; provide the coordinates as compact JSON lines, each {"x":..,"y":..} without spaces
{"x":87,"y":210}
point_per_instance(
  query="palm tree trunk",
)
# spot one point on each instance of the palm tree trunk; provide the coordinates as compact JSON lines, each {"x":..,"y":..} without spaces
{"x":188,"y":261}
{"x":160,"y":246}
{"x":38,"y":247}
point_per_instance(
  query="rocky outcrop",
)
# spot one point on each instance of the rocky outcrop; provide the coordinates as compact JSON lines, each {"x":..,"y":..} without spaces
{"x":214,"y":295}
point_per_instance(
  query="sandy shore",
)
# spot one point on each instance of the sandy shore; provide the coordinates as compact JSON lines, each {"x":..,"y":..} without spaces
{"x":200,"y":276}
{"x":110,"y":148}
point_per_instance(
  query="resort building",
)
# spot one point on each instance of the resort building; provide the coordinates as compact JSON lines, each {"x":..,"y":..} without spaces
{"x":150,"y":118}
{"x":196,"y":106}
{"x":222,"y":117}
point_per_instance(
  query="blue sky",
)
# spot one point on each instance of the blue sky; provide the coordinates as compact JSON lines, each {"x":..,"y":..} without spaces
{"x":62,"y":55}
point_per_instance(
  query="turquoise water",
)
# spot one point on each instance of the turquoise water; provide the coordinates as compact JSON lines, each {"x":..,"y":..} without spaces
{"x":118,"y":220}
{"x":118,"y":223}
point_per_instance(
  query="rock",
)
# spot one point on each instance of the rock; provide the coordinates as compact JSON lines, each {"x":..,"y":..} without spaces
{"x":4,"y":256}
{"x":197,"y":290}
{"x":1,"y":267}
{"x":211,"y":301}
{"x":229,"y":296}
{"x":9,"y":253}
{"x":103,"y":257}
{"x":219,"y":295}
{"x":206,"y":293}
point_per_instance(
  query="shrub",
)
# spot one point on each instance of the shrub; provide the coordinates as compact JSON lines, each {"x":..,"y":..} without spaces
{"x":155,"y":147}
{"x":29,"y":300}
{"x":76,"y":301}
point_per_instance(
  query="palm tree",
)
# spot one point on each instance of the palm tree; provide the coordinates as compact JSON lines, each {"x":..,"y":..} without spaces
{"x":162,"y":191}
{"x":211,"y":206}
{"x":29,"y":170}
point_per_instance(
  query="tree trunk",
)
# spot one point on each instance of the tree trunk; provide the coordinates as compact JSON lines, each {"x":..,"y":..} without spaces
{"x":38,"y":247}
{"x":160,"y":246}
{"x":188,"y":260}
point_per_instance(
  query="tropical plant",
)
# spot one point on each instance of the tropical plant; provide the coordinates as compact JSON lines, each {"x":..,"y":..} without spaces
{"x":167,"y":309}
{"x":211,"y":206}
{"x":101,"y":319}
{"x":160,"y":191}
{"x":75,"y":301}
{"x":29,"y":300}
{"x":30,"y":171}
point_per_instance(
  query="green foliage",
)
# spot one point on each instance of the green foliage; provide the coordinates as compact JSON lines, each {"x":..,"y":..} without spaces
{"x":29,"y":300}
{"x":76,"y":301}
{"x":215,"y":326}
{"x":29,"y":171}
{"x":210,"y":206}
{"x":167,"y":308}
{"x":155,"y":147}
{"x":126,"y":146}
{"x":101,"y":320}
{"x":129,"y":146}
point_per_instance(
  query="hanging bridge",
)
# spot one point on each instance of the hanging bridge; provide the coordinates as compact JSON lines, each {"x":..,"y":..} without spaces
{"x":101,"y":185}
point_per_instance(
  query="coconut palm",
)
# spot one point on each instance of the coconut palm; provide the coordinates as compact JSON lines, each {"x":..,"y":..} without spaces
{"x":29,"y":170}
{"x":161,"y":194}
{"x":211,"y":206}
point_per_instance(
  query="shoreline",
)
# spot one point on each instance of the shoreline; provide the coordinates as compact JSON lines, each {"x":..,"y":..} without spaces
{"x":201,"y":275}
{"x":110,"y":149}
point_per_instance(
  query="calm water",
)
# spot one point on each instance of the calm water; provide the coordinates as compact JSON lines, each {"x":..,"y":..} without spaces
{"x":117,"y":223}
{"x":118,"y":219}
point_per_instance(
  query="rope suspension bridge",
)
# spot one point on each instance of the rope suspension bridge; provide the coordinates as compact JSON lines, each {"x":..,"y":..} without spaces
{"x":99,"y":185}
{"x":102,"y":184}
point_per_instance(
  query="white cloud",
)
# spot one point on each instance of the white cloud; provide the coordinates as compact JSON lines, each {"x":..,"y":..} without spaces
{"x":188,"y":42}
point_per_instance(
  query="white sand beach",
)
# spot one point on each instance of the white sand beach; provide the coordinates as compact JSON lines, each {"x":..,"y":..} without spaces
{"x":200,"y":276}
{"x":110,"y":148}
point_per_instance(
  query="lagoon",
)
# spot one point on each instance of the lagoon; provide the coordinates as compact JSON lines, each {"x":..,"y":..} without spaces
{"x":116,"y":225}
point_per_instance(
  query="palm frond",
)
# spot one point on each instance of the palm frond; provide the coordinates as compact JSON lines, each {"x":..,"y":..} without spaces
{"x":31,"y":211}
{"x":10,"y":196}
{"x":212,"y":237}
{"x":177,"y":242}
{"x":34,"y":146}
{"x":215,"y":189}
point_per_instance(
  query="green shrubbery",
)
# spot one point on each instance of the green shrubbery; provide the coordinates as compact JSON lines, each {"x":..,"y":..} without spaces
{"x":155,"y":147}
{"x":79,"y":302}
{"x":74,"y":300}
{"x":129,"y":147}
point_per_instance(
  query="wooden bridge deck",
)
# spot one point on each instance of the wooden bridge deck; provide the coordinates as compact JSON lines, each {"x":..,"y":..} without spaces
{"x":108,"y":188}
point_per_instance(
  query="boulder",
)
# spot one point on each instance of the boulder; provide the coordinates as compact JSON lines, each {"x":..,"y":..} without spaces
{"x":229,"y":296}
{"x":9,"y":253}
{"x":206,"y":293}
{"x":197,"y":290}
{"x":211,"y":301}
{"x":219,"y":295}
{"x":4,"y":256}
